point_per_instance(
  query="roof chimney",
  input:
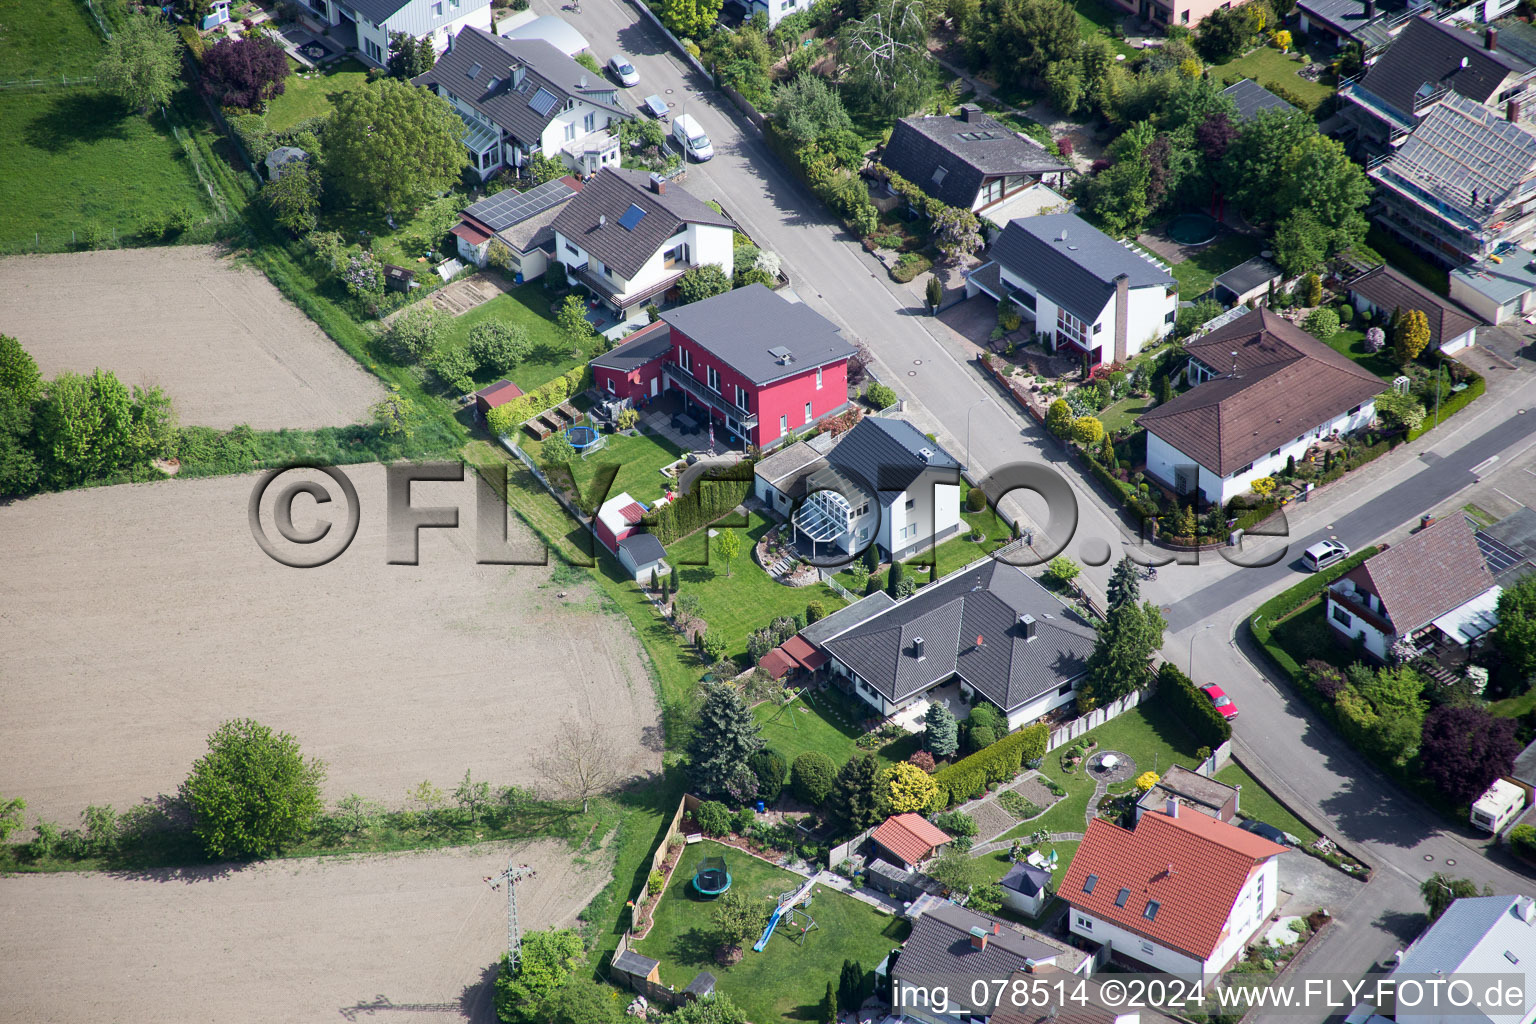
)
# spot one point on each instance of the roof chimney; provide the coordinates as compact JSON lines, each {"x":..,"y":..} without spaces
{"x":1173,"y":807}
{"x":997,"y":929}
{"x":1027,"y":626}
{"x":1491,"y":38}
{"x":658,"y":184}
{"x":917,"y":647}
{"x":1525,"y":907}
{"x":969,"y":112}
{"x":978,"y":938}
{"x":1512,"y":111}
{"x":1370,"y":9}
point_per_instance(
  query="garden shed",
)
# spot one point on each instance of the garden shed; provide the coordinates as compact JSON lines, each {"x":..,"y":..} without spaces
{"x":493,"y":395}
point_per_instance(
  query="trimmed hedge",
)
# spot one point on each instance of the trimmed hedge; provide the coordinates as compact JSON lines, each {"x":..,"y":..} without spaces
{"x":710,"y":498}
{"x":1192,"y":707}
{"x":505,"y":419}
{"x":968,"y":776}
{"x":1289,"y":601}
{"x":1448,"y":408}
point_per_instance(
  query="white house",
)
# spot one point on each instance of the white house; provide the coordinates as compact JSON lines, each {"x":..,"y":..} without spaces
{"x":1477,"y":935}
{"x":1434,"y":590}
{"x":376,"y":20}
{"x":1498,"y":288}
{"x":519,"y":97}
{"x":1266,"y":391}
{"x":629,"y":236}
{"x":989,"y":626}
{"x":777,"y":10}
{"x":1384,"y":289}
{"x":882,"y":482}
{"x":1183,"y":893}
{"x":1027,"y":886}
{"x":1089,"y":293}
{"x":522,"y":222}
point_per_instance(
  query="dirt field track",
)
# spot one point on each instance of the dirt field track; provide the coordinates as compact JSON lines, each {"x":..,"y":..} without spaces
{"x":135,"y":619}
{"x":406,"y":938}
{"x":219,"y":338}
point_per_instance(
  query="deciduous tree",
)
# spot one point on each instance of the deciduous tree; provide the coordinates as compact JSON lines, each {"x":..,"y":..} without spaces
{"x":18,"y":371}
{"x":84,"y":427}
{"x":1412,"y":336}
{"x":546,"y":960}
{"x":728,"y":543}
{"x":739,"y":917}
{"x":702,"y":282}
{"x":1465,"y":748}
{"x":886,"y":52}
{"x":253,"y":793}
{"x":141,"y":61}
{"x":245,"y":72}
{"x":1441,"y":890}
{"x":1515,"y":634}
{"x":294,"y":197}
{"x":499,"y":345}
{"x":392,"y":144}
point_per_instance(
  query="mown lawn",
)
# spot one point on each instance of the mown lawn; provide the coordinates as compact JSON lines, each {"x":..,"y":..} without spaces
{"x":638,"y":461}
{"x":1271,"y":67}
{"x":527,"y":306}
{"x":77,"y":159}
{"x":1257,"y":802}
{"x":748,"y":598}
{"x":1122,"y":415}
{"x":46,"y":40}
{"x":1196,"y":274}
{"x":1352,"y":343}
{"x":786,"y":980}
{"x":1095,"y":18}
{"x":827,"y":722}
{"x":956,"y":552}
{"x":997,"y":864}
{"x":304,"y":98}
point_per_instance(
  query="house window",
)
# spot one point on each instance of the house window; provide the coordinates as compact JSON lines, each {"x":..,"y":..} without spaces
{"x":1024,"y":299}
{"x":675,"y":255}
{"x":1258,"y":892}
{"x":572,"y":249}
{"x":808,"y":416}
{"x":1063,"y":689}
{"x":1071,"y":328}
{"x":1354,"y":410}
{"x":783,"y":425}
{"x":818,"y":378}
{"x":611,"y":389}
{"x":992,"y":191}
{"x":741,"y":398}
{"x":1341,"y":616}
{"x":570,"y":131}
{"x":1152,"y":908}
{"x":1098,"y":328}
{"x":1184,"y":17}
{"x":911,"y":503}
{"x":939,"y":173}
{"x":437,"y":10}
{"x":372,"y":49}
{"x":1122,"y":896}
{"x":712,"y":375}
{"x":1085,"y":924}
{"x":685,"y":360}
{"x":589,"y":122}
{"x":1274,"y":453}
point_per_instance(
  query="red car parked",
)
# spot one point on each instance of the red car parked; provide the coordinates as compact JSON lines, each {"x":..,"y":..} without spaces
{"x":1220,"y":699}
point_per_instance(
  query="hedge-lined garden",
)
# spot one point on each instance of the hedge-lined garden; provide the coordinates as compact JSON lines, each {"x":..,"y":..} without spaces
{"x":969,"y":776}
{"x":1192,"y":707}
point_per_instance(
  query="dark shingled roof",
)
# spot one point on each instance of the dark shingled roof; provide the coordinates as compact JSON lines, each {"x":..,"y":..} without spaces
{"x":610,"y":194}
{"x":1348,"y":17}
{"x":970,"y":148}
{"x":643,"y":548}
{"x":843,"y":619}
{"x":702,"y":985}
{"x":631,"y":962}
{"x":1095,"y":1008}
{"x":1077,"y":272}
{"x":378,"y":11}
{"x":649,"y":342}
{"x":1287,"y":383}
{"x":742,"y":325}
{"x":1027,"y":879}
{"x":985,"y":600}
{"x":1434,"y":571}
{"x":1389,"y":288}
{"x":887,"y":455}
{"x":1251,"y":97}
{"x":491,"y":57}
{"x":939,"y":950}
{"x":1255,"y":273}
{"x":1428,"y":52}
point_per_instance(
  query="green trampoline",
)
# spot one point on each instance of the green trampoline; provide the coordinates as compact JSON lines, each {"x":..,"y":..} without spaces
{"x":711,"y":877}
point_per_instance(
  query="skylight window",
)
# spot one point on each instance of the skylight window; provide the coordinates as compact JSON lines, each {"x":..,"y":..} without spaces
{"x":1090,"y":882}
{"x":543,"y":101}
{"x":1124,"y":895}
{"x":1152,"y":908}
{"x":632,"y":217}
{"x":938,"y":175}
{"x":1510,"y":956}
{"x":474,"y":69}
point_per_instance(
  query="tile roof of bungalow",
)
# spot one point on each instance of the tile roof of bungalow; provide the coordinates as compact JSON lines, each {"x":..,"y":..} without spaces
{"x":481,"y":69}
{"x":943,"y":947}
{"x":1180,"y":876}
{"x":911,"y":837}
{"x":967,"y":150}
{"x":1427,"y":55}
{"x":1251,"y":98}
{"x":1432,"y":572}
{"x":760,"y":334}
{"x":1286,"y":383}
{"x":971,"y":628}
{"x":599,"y":221}
{"x":1389,"y":288}
{"x":1073,"y":262}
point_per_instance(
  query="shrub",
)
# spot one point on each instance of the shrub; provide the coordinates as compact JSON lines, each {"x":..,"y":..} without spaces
{"x":498,"y":345}
{"x":1059,"y":418}
{"x":909,"y":265}
{"x":815,"y":611}
{"x":970,"y":775}
{"x":770,"y":769}
{"x":812,"y":775}
{"x":713,"y":818}
{"x":1145,"y":781}
{"x":253,"y":793}
{"x":879,"y":395}
{"x":1346,"y":314}
{"x":923,"y":760}
{"x":1322,"y":323}
{"x":976,"y":499}
{"x":655,"y":883}
{"x":1062,"y":570}
{"x":1311,"y":289}
{"x":1522,"y":841}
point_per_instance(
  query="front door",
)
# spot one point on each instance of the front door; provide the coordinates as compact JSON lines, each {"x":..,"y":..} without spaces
{"x":655,"y":385}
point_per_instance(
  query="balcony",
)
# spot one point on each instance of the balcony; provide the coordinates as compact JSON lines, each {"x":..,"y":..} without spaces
{"x":705,"y":395}
{"x":613,"y":293}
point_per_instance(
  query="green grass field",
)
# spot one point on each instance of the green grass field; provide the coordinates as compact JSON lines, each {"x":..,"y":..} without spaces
{"x":77,"y":160}
{"x":527,"y":306}
{"x":827,"y":722}
{"x":1196,"y":274}
{"x":1122,"y":415}
{"x":1257,"y":802}
{"x":1352,"y":343}
{"x":1098,"y":19}
{"x":956,"y":552}
{"x":46,"y":40}
{"x":1271,"y":67}
{"x":786,"y":980}
{"x":638,"y":461}
{"x":304,"y":98}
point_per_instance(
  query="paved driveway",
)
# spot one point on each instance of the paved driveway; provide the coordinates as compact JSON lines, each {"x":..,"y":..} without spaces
{"x":1313,"y":883}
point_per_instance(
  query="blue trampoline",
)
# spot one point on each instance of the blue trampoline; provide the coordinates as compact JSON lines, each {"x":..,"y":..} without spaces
{"x":582,"y":436}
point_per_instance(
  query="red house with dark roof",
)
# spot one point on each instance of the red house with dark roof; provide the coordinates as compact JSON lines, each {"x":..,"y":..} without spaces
{"x":757,"y":364}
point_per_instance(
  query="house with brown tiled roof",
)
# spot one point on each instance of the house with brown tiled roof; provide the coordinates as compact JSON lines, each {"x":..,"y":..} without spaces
{"x":1265,"y":391}
{"x":1183,"y":893}
{"x":1434,"y":590}
{"x":1384,"y":290}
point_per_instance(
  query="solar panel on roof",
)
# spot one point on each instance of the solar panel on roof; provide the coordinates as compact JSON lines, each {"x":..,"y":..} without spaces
{"x":631,"y":217}
{"x":543,"y":101}
{"x":504,"y":209}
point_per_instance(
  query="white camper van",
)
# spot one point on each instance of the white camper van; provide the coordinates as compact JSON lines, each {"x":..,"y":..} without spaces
{"x":1498,"y":807}
{"x":692,"y":138}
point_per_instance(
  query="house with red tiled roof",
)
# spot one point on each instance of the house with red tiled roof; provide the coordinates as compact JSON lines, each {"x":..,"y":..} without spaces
{"x":617,"y":525}
{"x":1434,"y":590}
{"x":908,"y":839}
{"x":1183,"y":893}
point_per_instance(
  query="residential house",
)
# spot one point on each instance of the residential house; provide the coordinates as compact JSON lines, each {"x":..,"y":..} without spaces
{"x":881,"y":482}
{"x":1164,"y":13}
{"x":629,"y":236}
{"x":1026,"y":888}
{"x":952,"y":948}
{"x":1523,"y":772}
{"x":758,"y":365}
{"x":1193,"y":791}
{"x":374,"y":21}
{"x":523,"y":222}
{"x":973,"y":162}
{"x":989,"y":626}
{"x":1509,"y":547}
{"x":1433,"y":591}
{"x":1089,"y":293}
{"x":1265,"y":391}
{"x":1369,"y":24}
{"x":1095,"y":1006}
{"x":1384,"y":289}
{"x":1251,"y":99}
{"x":1462,"y":186}
{"x":908,"y":840}
{"x":1248,"y":283}
{"x":1427,"y":61}
{"x":519,"y":97}
{"x":778,"y":479}
{"x":1477,"y":935}
{"x":1183,"y":893}
{"x":776,"y":10}
{"x":1500,"y":287}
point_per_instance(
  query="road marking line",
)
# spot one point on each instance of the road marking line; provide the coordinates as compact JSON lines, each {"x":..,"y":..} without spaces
{"x":1490,"y":460}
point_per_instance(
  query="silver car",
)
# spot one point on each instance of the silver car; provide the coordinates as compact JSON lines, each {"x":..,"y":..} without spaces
{"x":623,"y":70}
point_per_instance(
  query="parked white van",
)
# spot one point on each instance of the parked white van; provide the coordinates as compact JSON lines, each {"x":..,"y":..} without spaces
{"x":691,"y":137}
{"x":1498,"y":807}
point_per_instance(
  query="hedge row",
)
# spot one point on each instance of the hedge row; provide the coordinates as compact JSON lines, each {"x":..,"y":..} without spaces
{"x":1288,"y":601}
{"x":1192,"y":707}
{"x":505,"y":419}
{"x":969,"y":776}
{"x":1448,"y":408}
{"x":707,"y":500}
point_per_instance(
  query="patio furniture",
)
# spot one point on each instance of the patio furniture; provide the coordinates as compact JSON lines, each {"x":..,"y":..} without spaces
{"x":1109,"y":762}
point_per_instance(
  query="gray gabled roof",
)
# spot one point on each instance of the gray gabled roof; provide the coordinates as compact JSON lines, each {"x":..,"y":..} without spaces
{"x":985,"y":600}
{"x":861,"y":610}
{"x":1478,"y":935}
{"x":378,"y":11}
{"x":970,"y":149}
{"x":643,"y":548}
{"x":596,"y":219}
{"x":887,"y":455}
{"x":743,"y":327}
{"x":477,"y":59}
{"x":631,"y":962}
{"x":1072,"y":262}
{"x":1251,"y":97}
{"x":939,"y":951}
{"x":1465,"y":156}
{"x":1430,"y":54}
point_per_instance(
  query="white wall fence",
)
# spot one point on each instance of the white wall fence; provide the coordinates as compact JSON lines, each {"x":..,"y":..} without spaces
{"x":1219,"y":759}
{"x":1069,"y":731}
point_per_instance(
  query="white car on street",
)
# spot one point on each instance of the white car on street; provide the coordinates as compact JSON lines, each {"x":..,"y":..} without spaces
{"x":623,"y":70}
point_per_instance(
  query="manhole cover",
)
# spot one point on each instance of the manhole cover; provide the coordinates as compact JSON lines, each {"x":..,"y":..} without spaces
{"x":917,"y":362}
{"x":1428,"y":857}
{"x":911,"y":373}
{"x":1450,"y":862}
{"x":669,"y":92}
